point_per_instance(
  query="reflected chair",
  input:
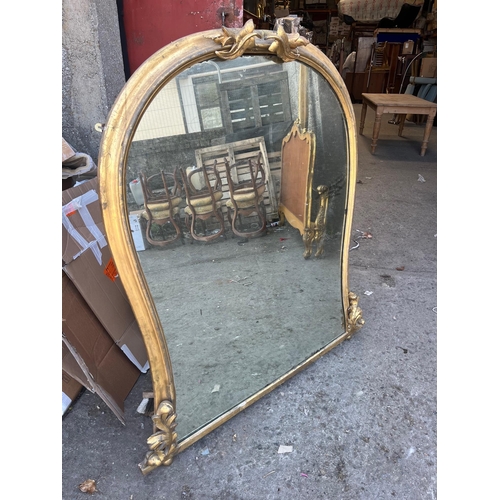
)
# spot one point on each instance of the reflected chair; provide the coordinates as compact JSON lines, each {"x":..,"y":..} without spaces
{"x":203,"y":190}
{"x":247,"y":198}
{"x":162,"y":197}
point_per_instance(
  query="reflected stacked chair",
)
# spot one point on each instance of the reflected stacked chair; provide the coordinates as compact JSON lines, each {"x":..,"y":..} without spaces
{"x":247,"y":198}
{"x":162,"y":206}
{"x":203,"y":191}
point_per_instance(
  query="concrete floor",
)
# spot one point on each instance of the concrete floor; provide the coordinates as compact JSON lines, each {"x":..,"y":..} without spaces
{"x":361,"y":420}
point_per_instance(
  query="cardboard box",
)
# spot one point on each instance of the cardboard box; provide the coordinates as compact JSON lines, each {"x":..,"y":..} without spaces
{"x":71,"y":367}
{"x":428,"y":67}
{"x":90,"y":355}
{"x":88,"y":262}
{"x":71,"y":389}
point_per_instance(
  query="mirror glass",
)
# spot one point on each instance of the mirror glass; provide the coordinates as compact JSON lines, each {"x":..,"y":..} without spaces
{"x":238,"y":310}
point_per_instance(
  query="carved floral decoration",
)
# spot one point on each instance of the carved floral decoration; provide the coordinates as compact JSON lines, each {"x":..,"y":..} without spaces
{"x":354,"y":315}
{"x":236,"y":42}
{"x":164,"y":442}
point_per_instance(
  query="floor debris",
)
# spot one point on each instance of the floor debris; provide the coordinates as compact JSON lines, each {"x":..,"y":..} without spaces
{"x":361,"y":235}
{"x":285,"y":449}
{"x":88,"y":486}
{"x":142,"y":407}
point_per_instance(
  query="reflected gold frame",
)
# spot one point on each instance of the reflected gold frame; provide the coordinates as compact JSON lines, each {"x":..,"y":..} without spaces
{"x":118,"y":132}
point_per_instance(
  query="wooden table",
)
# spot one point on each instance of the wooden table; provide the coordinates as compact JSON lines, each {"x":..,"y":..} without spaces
{"x":401,"y":105}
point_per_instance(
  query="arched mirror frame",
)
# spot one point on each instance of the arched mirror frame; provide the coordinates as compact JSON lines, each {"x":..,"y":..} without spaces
{"x":119,"y":130}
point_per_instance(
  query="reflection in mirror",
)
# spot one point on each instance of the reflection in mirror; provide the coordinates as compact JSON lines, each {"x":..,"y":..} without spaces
{"x":237,"y":141}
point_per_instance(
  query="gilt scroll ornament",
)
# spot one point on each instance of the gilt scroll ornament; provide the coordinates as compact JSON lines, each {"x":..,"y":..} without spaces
{"x":354,"y":315}
{"x":163,"y":443}
{"x":236,"y":42}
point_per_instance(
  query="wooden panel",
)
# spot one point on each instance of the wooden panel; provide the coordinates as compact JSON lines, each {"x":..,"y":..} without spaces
{"x":293,"y":184}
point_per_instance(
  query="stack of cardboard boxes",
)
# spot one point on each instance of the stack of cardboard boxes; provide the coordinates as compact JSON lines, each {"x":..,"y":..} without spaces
{"x":103,"y":349}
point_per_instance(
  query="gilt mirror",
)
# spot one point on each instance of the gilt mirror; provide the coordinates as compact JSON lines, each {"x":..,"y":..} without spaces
{"x":227,"y":174}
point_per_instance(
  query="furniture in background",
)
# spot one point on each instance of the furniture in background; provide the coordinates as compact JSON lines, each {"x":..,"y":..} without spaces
{"x":382,"y":57}
{"x":401,"y":105}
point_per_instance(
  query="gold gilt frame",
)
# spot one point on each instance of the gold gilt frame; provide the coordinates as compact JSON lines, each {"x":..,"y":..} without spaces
{"x":118,"y":132}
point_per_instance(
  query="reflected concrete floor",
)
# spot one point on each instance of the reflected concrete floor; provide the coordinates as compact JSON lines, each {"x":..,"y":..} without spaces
{"x":239,"y":313}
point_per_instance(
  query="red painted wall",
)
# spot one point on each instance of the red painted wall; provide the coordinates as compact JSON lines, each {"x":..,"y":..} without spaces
{"x":151,"y":24}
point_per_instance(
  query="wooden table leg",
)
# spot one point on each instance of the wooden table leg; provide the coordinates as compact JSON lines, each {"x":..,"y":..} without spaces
{"x":427,"y":133}
{"x":402,"y":119}
{"x":376,"y":129}
{"x":362,"y":119}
